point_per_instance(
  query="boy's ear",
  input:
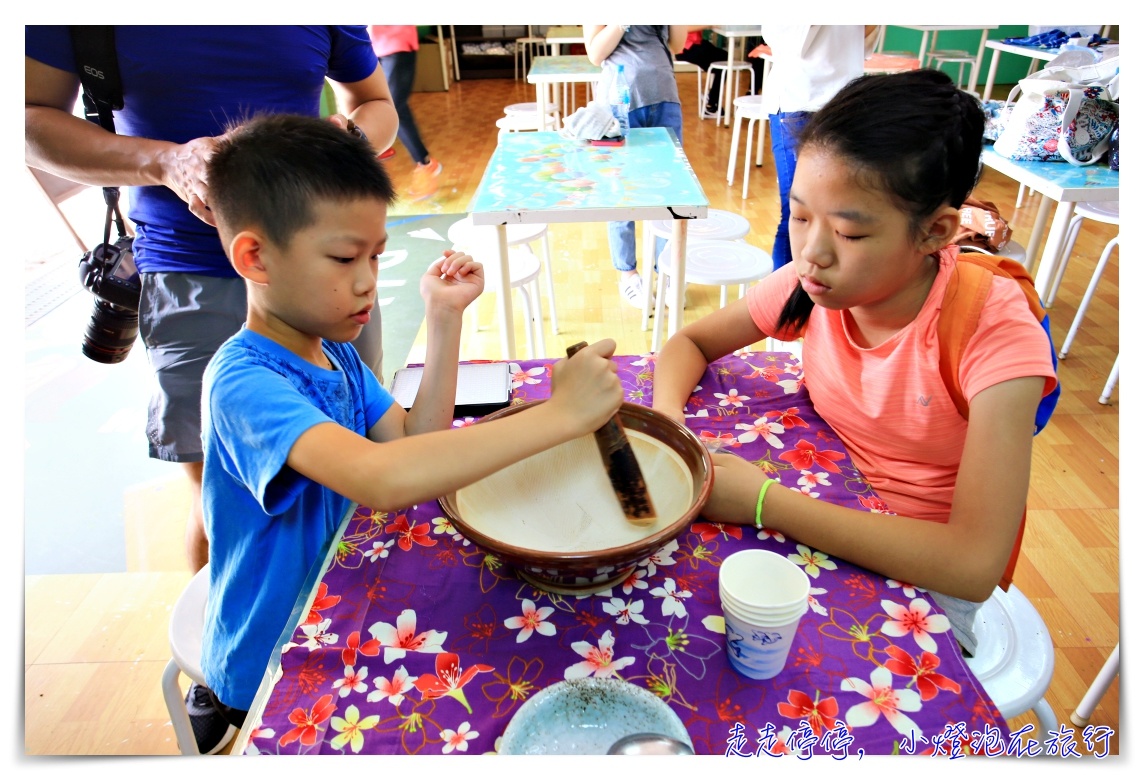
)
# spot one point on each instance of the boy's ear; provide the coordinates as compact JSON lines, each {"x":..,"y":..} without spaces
{"x":246,"y":250}
{"x":941,"y":230}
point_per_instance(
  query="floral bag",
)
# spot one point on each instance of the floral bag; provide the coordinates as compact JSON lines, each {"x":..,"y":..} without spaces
{"x":1065,"y":112}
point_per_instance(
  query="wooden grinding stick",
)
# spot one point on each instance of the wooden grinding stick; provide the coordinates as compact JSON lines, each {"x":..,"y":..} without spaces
{"x":622,"y":467}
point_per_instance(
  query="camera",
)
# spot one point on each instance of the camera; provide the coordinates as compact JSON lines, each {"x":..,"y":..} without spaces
{"x":109,"y":273}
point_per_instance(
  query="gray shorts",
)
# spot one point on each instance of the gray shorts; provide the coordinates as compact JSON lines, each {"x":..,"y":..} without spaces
{"x":183,"y":320}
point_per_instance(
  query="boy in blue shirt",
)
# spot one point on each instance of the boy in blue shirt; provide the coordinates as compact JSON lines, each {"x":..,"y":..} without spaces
{"x":295,"y":427}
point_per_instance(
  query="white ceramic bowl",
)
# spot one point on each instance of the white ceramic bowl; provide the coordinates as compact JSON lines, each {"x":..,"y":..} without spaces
{"x":586,"y":717}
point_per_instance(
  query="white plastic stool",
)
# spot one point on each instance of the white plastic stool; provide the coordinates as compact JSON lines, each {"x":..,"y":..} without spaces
{"x":720,"y":262}
{"x":749,"y":107}
{"x":527,"y":49}
{"x":1096,"y":691}
{"x":960,"y":58}
{"x":1107,"y":212}
{"x":524,"y":271}
{"x":464,"y":235}
{"x":728,"y":73}
{"x":717,"y":225}
{"x":185,"y":636}
{"x":679,"y":66}
{"x":522,"y":116}
{"x":1014,"y":658}
{"x":1113,"y":378}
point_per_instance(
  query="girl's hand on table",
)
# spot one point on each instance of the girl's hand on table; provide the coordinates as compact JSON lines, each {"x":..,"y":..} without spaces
{"x":735,"y":491}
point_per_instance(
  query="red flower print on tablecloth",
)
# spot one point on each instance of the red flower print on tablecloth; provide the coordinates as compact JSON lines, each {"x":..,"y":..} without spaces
{"x":402,"y":638}
{"x":599,"y":660}
{"x":770,"y":372}
{"x":805,"y":455}
{"x":458,"y":739}
{"x":321,"y":601}
{"x":709,"y":531}
{"x":916,"y":621}
{"x":306,"y":722}
{"x":351,"y":729}
{"x":354,"y":646}
{"x":715,"y":440}
{"x":875,"y":504}
{"x":353,"y":680}
{"x":883,"y":700}
{"x":787,"y":418}
{"x":449,"y":680}
{"x":532,"y":618}
{"x":393,"y":689}
{"x":821,"y":714}
{"x":923,"y":671}
{"x":407,"y":535}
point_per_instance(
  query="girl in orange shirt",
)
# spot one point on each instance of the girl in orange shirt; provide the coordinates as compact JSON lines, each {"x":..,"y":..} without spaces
{"x":882,"y":169}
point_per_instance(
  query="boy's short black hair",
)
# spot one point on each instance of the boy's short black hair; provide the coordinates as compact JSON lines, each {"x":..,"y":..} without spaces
{"x":268,"y":171}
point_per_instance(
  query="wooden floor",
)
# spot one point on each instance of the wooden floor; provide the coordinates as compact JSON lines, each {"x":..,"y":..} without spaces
{"x":95,"y":645}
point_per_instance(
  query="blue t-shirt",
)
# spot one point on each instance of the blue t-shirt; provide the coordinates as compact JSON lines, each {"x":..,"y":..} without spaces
{"x":267,"y":524}
{"x":184,"y":82}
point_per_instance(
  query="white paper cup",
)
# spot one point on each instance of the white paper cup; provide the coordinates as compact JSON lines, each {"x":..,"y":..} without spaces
{"x":764,"y":596}
{"x":764,"y":581}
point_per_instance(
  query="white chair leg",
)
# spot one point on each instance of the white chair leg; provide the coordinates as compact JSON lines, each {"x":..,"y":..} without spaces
{"x":1099,"y":687}
{"x":1020,"y":195}
{"x":528,"y":324}
{"x":648,"y":264}
{"x":660,"y":295}
{"x":747,"y":155}
{"x":177,"y":709}
{"x":735,"y":148}
{"x":546,"y":260}
{"x":539,"y":318}
{"x":1088,"y":295}
{"x":699,"y":90}
{"x":762,"y":146}
{"x":723,"y":296}
{"x":1066,"y":253}
{"x":1113,"y":378}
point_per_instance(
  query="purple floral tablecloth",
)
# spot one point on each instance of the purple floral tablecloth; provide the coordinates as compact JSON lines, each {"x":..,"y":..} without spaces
{"x":417,"y":642}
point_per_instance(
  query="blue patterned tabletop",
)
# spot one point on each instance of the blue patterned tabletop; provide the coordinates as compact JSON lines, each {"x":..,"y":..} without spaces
{"x":544,"y":177}
{"x":561,"y":66}
{"x":1059,"y":180}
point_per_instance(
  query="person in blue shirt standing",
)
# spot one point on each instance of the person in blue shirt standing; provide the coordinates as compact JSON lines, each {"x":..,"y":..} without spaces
{"x":183,"y":86}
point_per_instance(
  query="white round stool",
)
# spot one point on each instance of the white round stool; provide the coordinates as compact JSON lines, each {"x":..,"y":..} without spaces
{"x":717,"y":225}
{"x":728,"y":73}
{"x":466,"y":236}
{"x":524,"y":271}
{"x":519,"y":110}
{"x":749,"y":107}
{"x":719,"y":261}
{"x":1107,"y":212}
{"x":1014,"y":658}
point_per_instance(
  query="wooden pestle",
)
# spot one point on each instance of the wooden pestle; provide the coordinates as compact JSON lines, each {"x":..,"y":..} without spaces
{"x":622,"y":467}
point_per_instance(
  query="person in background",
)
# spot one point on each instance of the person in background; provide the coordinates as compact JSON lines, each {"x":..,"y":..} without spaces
{"x":295,"y":429}
{"x":811,"y":63}
{"x":183,"y":86}
{"x":883,"y":168}
{"x":645,"y":51}
{"x":396,"y":49}
{"x":702,"y":52}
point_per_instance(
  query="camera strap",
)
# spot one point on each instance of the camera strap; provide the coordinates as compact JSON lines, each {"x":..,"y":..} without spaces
{"x":98,"y":68}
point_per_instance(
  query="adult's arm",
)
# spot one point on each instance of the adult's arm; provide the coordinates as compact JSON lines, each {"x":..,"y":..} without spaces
{"x":600,"y":40}
{"x":57,"y":141}
{"x":369,"y":104}
{"x":677,"y":37}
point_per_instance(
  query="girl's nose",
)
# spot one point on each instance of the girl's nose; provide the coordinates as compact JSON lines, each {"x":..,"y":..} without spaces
{"x":815,"y":248}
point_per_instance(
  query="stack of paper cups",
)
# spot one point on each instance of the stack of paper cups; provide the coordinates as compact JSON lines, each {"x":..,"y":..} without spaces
{"x":764,"y":597}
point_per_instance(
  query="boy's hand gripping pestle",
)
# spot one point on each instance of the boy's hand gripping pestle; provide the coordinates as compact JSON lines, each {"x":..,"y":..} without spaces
{"x":622,"y":467}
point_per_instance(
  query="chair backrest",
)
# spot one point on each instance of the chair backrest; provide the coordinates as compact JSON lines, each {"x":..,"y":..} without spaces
{"x":185,"y":633}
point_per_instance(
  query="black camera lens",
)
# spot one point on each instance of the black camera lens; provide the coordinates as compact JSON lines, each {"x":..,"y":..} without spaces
{"x":110,"y":333}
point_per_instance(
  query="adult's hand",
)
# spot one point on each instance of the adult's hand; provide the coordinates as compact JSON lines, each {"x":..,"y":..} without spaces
{"x":184,"y":169}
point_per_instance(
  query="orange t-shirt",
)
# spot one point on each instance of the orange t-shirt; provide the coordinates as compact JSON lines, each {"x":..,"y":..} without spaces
{"x":888,"y":403}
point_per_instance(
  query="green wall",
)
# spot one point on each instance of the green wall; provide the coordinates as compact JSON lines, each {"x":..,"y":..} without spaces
{"x":1012,"y":68}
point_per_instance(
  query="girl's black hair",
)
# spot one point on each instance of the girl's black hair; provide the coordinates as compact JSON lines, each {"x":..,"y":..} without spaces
{"x":914,"y":135}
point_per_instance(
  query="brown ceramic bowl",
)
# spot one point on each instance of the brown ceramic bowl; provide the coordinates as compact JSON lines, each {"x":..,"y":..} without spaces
{"x":556,"y":519}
